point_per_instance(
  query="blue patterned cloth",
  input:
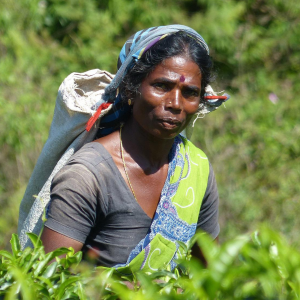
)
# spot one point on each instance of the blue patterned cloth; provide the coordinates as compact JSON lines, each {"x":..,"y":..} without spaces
{"x":166,"y":221}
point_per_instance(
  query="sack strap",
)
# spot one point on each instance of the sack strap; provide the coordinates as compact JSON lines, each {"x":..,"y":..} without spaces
{"x":96,"y":115}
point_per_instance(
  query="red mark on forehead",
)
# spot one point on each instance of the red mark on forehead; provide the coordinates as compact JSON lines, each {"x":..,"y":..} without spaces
{"x":182,"y":78}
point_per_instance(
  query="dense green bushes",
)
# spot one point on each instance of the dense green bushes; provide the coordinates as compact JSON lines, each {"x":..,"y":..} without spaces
{"x":252,"y":143}
{"x":260,"y":266}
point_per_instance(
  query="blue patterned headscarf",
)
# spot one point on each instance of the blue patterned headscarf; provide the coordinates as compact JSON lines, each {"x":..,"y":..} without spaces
{"x":133,"y":50}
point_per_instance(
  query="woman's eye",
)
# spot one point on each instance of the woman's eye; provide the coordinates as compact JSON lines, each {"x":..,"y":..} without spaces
{"x":191,"y":93}
{"x":161,"y":86}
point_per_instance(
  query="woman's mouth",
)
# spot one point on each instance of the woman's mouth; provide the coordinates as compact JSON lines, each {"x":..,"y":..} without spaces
{"x":170,"y":123}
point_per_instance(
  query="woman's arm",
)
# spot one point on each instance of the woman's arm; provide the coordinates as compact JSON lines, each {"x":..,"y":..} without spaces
{"x":72,"y":210}
{"x":209,"y":213}
{"x":53,"y":240}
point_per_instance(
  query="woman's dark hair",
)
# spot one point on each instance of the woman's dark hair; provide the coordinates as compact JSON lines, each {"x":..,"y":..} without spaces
{"x":179,"y":43}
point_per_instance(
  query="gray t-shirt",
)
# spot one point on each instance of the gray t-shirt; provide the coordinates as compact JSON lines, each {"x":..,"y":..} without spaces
{"x":91,"y":203}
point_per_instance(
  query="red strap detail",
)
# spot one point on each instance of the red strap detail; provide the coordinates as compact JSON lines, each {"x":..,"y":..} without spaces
{"x":215,"y":97}
{"x":96,"y":115}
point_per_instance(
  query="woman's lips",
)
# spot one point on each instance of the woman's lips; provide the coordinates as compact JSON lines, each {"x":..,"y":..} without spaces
{"x":170,"y":123}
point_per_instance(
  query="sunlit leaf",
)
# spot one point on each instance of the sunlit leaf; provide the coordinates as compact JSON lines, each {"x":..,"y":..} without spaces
{"x":6,"y":254}
{"x":62,"y":288}
{"x":35,"y":240}
{"x":15,"y":245}
{"x":50,"y":270}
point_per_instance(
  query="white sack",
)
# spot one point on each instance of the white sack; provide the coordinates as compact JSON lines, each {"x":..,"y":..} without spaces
{"x":78,"y":98}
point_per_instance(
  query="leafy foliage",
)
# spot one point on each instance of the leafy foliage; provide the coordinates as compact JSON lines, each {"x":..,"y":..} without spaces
{"x":28,"y":273}
{"x":257,"y":266}
{"x":252,"y":143}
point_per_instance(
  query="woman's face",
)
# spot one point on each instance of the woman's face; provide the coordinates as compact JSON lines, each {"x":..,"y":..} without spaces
{"x":169,"y":97}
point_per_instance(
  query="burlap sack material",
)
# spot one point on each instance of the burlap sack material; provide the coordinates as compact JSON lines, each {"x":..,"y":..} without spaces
{"x":78,"y":98}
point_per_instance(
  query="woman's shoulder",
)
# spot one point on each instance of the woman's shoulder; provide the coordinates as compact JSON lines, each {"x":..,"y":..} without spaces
{"x":89,"y":168}
{"x":93,"y":161}
{"x":92,"y":153}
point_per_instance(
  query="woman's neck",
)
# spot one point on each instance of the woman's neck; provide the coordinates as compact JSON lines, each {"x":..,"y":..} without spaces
{"x":142,"y":146}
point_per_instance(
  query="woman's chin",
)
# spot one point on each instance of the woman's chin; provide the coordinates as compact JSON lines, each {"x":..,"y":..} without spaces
{"x":166,"y":132}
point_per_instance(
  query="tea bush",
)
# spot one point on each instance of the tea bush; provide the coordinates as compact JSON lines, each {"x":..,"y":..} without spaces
{"x":257,"y":266}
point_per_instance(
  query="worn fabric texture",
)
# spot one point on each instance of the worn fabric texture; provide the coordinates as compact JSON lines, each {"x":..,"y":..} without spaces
{"x":78,"y":98}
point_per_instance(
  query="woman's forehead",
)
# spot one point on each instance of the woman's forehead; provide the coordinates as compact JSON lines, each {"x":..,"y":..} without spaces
{"x":178,"y":68}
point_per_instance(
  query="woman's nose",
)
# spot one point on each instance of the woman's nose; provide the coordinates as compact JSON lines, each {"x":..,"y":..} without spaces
{"x":175,"y":100}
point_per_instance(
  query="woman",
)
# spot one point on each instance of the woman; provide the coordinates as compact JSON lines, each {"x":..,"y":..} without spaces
{"x":131,"y":195}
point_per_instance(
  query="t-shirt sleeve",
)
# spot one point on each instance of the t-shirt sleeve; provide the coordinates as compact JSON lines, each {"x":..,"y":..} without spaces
{"x":209,"y":212}
{"x":73,"y":205}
